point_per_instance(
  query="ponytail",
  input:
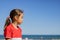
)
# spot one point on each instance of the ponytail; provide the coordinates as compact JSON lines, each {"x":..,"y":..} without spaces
{"x":8,"y":21}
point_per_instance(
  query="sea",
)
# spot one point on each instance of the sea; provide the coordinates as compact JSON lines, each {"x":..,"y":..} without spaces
{"x":37,"y":37}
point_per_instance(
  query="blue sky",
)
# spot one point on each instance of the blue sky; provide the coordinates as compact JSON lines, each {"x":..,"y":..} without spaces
{"x":41,"y":17}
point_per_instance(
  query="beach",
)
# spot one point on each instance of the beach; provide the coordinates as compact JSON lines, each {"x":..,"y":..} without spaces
{"x":36,"y":39}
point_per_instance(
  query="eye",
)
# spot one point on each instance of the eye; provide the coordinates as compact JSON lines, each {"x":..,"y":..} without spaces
{"x":18,"y":14}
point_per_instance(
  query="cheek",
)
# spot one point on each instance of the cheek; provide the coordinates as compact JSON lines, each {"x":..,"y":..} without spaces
{"x":20,"y":20}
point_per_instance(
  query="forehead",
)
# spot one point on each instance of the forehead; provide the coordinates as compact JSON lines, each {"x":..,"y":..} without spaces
{"x":21,"y":14}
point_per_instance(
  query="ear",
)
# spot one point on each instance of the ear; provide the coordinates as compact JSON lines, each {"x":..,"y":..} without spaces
{"x":15,"y":18}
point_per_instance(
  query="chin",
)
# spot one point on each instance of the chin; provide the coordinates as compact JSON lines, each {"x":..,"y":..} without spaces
{"x":19,"y":23}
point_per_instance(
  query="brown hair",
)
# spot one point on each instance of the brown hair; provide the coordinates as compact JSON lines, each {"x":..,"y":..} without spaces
{"x":13,"y":13}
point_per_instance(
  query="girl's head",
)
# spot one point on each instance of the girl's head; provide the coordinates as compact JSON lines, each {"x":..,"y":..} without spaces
{"x":16,"y":15}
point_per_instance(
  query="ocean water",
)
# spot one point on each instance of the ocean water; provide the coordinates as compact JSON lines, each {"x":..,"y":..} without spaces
{"x":37,"y":37}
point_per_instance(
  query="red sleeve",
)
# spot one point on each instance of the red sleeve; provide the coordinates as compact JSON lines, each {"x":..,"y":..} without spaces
{"x":7,"y":32}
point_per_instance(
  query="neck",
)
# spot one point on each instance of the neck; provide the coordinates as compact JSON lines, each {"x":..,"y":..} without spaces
{"x":15,"y":24}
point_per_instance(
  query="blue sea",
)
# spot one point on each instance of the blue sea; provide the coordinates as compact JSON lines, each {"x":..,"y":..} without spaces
{"x":37,"y":37}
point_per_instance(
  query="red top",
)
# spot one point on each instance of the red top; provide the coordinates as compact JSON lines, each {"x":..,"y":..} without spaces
{"x":11,"y":32}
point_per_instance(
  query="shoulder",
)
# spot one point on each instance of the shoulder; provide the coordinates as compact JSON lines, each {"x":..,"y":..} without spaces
{"x":8,"y":27}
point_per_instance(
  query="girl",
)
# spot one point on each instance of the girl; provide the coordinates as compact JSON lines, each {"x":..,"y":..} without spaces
{"x":11,"y":29}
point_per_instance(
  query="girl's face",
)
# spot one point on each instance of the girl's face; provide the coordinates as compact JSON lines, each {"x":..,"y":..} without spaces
{"x":20,"y":19}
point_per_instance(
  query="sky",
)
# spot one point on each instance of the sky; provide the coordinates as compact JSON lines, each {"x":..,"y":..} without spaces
{"x":41,"y":17}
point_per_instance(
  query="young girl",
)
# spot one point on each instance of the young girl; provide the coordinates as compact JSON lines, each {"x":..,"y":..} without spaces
{"x":11,"y":29}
